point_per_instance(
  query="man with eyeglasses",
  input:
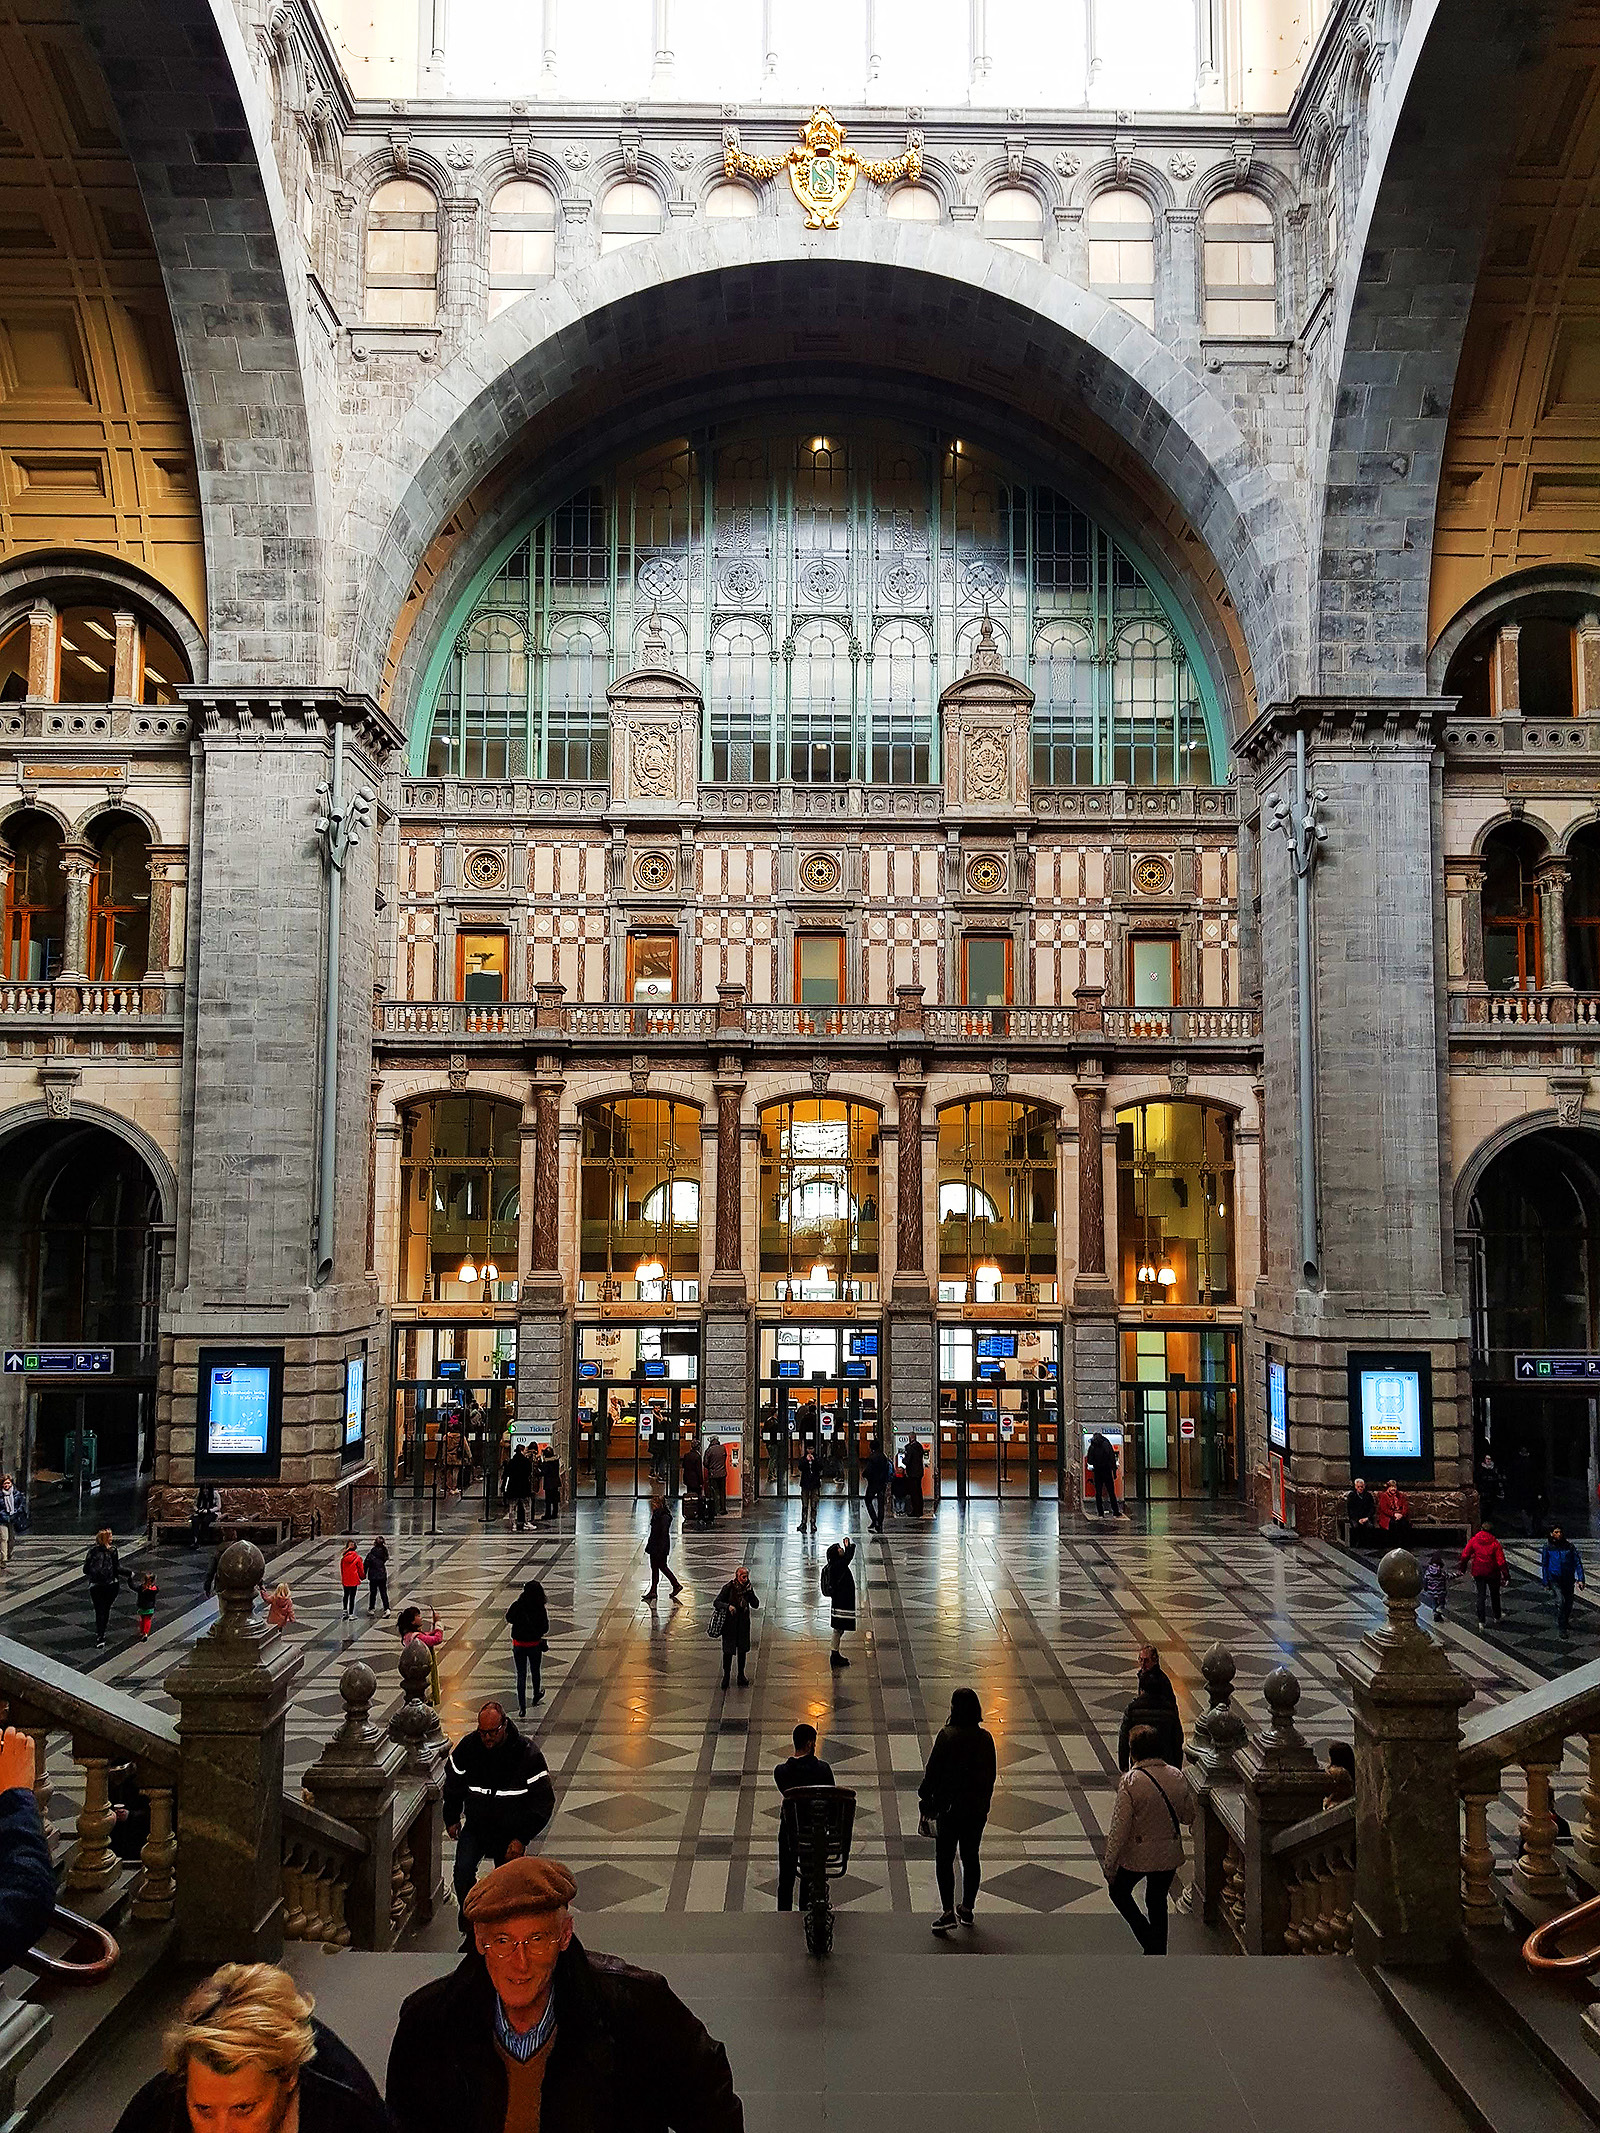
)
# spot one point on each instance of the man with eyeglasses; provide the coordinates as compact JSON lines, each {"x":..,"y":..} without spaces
{"x":533,"y":2034}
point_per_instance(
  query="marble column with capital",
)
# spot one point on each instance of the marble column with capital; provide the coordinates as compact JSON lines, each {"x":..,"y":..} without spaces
{"x":1552,"y":877}
{"x":1091,"y":1184}
{"x":78,"y":864}
{"x":544,"y":1341}
{"x":544,"y":1235}
{"x":1094,"y":1303}
{"x":728,"y":1361}
{"x":910,"y":1274}
{"x":727,"y":1275}
{"x":909,"y":1361}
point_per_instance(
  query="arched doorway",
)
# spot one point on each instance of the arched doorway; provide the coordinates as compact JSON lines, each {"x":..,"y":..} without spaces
{"x":81,"y":1241}
{"x":1533,"y":1221}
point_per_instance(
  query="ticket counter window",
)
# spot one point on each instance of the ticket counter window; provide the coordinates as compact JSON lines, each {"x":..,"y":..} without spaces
{"x":997,"y":1203}
{"x":652,"y":966}
{"x":639,"y":1202}
{"x":459,"y":1175}
{"x":1175,"y":1204}
{"x":999,"y":1411}
{"x":481,"y":964}
{"x":819,"y":1201}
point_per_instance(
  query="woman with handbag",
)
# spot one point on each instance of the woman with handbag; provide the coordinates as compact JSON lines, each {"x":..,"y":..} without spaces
{"x":730,"y":1620}
{"x":1145,"y":1840}
{"x":954,"y":1796}
{"x":530,"y":1629}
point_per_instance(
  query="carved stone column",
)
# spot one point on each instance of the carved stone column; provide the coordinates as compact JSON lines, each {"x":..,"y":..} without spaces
{"x":907,"y":1392}
{"x":544,"y":1360}
{"x":1470,"y":873}
{"x":78,"y":864}
{"x":1091,"y":1097}
{"x":1552,"y":876}
{"x":544,"y":1243}
{"x":910,"y":1276}
{"x":169,"y":875}
{"x":125,"y":664}
{"x":1587,"y":704}
{"x":1094,"y":1302}
{"x":727,"y":1286}
{"x":44,"y":651}
{"x":1505,"y":673}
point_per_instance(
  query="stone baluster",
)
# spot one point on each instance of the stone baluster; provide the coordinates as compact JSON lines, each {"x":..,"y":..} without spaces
{"x":156,"y":1895}
{"x":295,"y":1922}
{"x":43,"y":1790}
{"x":1586,"y":1837}
{"x":1480,"y":1903}
{"x":415,"y":1726}
{"x":353,"y":1779}
{"x":1407,"y":1698}
{"x":1537,"y":1876}
{"x":1283,"y":1783}
{"x":1218,"y":1736}
{"x":94,"y":1863}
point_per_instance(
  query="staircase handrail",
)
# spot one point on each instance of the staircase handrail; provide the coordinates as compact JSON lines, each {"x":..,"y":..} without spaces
{"x":1538,"y":1718}
{"x":1313,"y":1832}
{"x":87,"y":1709}
{"x":301,"y":1819}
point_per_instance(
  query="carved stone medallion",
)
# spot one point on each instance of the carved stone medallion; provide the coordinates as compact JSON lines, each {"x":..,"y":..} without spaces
{"x":1152,"y":874}
{"x":653,"y":870}
{"x":651,"y":763}
{"x":986,"y":765}
{"x":986,"y":874}
{"x":819,"y":872}
{"x":484,"y":869}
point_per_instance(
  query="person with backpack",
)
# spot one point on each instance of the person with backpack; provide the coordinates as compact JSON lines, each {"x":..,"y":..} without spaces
{"x":378,"y":1575}
{"x":839,"y":1586}
{"x":529,"y":1618}
{"x":1561,"y":1571}
{"x":104,"y":1573}
{"x":1145,"y":1840}
{"x":954,"y":1796}
{"x":1484,"y":1560}
{"x":351,"y":1571}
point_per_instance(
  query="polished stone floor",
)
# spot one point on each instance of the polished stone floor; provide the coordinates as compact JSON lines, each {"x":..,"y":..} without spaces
{"x":665,"y":1796}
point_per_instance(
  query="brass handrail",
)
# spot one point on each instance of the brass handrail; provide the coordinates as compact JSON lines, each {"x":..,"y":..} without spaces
{"x":1553,"y":1929}
{"x":82,"y":1933}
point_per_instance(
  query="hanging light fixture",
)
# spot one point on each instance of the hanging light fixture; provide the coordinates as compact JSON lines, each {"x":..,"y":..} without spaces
{"x":819,"y":1277}
{"x":489,"y":1271}
{"x":987,"y":1273}
{"x":1166,"y":1275}
{"x":649,"y":1270}
{"x":1147,"y":1272}
{"x":467,"y":1273}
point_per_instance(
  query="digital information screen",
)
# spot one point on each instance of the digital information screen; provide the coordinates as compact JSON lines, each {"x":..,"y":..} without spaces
{"x":239,"y":1412}
{"x":1391,"y":1413}
{"x":1278,"y":1403}
{"x":997,"y":1344}
{"x":863,"y":1344}
{"x":355,"y":1401}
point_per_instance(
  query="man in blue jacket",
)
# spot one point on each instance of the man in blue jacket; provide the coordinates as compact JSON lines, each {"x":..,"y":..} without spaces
{"x":27,"y":1879}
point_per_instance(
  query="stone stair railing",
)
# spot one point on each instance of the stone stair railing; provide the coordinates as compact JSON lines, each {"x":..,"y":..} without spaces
{"x":1530,"y":1733}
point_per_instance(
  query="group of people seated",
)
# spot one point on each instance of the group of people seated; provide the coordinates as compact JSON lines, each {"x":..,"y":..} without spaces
{"x":1378,"y":1521}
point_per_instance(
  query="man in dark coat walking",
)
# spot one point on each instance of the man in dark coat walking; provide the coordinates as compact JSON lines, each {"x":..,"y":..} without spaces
{"x":875,"y":1477}
{"x":1155,"y":1705}
{"x":519,"y":1485}
{"x":498,"y":1795}
{"x":1102,"y":1455}
{"x":530,"y":2029}
{"x":802,"y":1768}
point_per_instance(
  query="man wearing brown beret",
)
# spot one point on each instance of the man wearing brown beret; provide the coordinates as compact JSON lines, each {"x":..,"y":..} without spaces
{"x":532,"y":2034}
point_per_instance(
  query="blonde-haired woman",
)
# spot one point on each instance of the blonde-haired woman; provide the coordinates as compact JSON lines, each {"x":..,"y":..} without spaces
{"x":245,"y":2053}
{"x":104,"y":1573}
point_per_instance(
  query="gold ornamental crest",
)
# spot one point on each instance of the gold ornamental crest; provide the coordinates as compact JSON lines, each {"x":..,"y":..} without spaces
{"x":822,"y":170}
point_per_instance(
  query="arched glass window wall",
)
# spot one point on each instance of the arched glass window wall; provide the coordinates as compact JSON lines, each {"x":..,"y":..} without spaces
{"x":639,"y":1193}
{"x":997,"y":1203}
{"x":1175,"y":1204}
{"x":460,"y":1177}
{"x":826,"y":586}
{"x":819,"y":1201}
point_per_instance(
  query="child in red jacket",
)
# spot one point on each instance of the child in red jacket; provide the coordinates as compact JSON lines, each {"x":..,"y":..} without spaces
{"x":1485,"y":1561}
{"x":351,"y":1572}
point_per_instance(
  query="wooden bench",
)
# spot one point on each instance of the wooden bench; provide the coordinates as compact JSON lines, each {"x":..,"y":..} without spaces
{"x":268,"y":1533}
{"x":1423,"y":1537}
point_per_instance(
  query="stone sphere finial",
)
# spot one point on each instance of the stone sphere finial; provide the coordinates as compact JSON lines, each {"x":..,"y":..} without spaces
{"x":1400,"y":1577}
{"x":240,"y":1569}
{"x":358,"y":1684}
{"x":1218,"y":1667}
{"x":1282,"y":1691}
{"x":415,"y":1670}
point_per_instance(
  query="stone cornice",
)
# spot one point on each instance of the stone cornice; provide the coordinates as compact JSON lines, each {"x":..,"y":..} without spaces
{"x":1365,"y":725}
{"x":255,"y":716}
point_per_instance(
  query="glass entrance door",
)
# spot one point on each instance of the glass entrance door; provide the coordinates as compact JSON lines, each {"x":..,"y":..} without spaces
{"x":999,"y":1412}
{"x":1181,"y":1410}
{"x":637,"y":1406}
{"x":454,"y":1397}
{"x":817,"y":1390}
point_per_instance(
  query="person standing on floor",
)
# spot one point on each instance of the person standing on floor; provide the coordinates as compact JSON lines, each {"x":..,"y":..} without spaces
{"x":351,"y":1571}
{"x":1102,"y":1457}
{"x":378,"y":1575}
{"x":498,"y":1796}
{"x":1561,"y":1569}
{"x":104,"y":1573}
{"x":801,"y":1768}
{"x":9,"y":1499}
{"x":1156,"y":1706}
{"x":875,"y":1478}
{"x":519,"y":1485}
{"x":1436,"y":1584}
{"x":530,"y":1629}
{"x":1145,"y":1840}
{"x":659,"y":1546}
{"x":694,"y":1480}
{"x":810,"y":1475}
{"x":915,"y":1464}
{"x":736,"y":1602}
{"x":954,"y":1796}
{"x":412,"y":1632}
{"x":717,"y":1475}
{"x":839,"y":1584}
{"x":550,"y":1475}
{"x":145,"y":1589}
{"x":1484,"y":1560}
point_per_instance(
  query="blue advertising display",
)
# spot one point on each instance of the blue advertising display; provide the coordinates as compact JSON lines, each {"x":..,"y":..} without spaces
{"x":990,"y":1370}
{"x":857,"y":1370}
{"x":1278,"y":1403}
{"x":649,"y":1369}
{"x":587,"y":1369}
{"x":355,"y":1400}
{"x":1391,"y":1413}
{"x":240,"y":1410}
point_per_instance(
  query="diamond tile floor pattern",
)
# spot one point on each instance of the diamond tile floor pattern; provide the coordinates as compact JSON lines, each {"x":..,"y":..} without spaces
{"x":664,"y":1782}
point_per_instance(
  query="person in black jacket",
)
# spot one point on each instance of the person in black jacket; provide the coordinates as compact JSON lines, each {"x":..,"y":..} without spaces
{"x":378,"y":1574}
{"x":530,"y":1626}
{"x":955,"y":1792}
{"x":1154,"y":1705}
{"x":498,"y":1796}
{"x":1102,"y":1457}
{"x":246,"y":2054}
{"x":914,"y":1462}
{"x":658,"y":1545}
{"x":801,"y":1768}
{"x":531,"y":2029}
{"x":839,"y":1583}
{"x":550,"y":1480}
{"x":519,"y":1485}
{"x":27,"y":1879}
{"x":875,"y":1479}
{"x":738,"y":1602}
{"x":104,"y":1573}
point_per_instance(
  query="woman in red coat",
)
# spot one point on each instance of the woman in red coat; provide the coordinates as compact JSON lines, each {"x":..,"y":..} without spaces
{"x":1485,"y":1559}
{"x":1394,"y":1515}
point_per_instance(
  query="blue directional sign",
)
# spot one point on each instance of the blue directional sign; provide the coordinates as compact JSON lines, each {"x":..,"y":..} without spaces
{"x":61,"y":1362}
{"x":1567,"y":1369}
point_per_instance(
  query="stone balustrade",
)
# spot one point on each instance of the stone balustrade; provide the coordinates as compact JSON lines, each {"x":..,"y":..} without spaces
{"x":1483,"y":1013}
{"x":146,"y":1002}
{"x":1529,"y":1734}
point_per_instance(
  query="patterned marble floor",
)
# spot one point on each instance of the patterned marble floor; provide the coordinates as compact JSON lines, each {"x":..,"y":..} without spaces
{"x":664,"y":1785}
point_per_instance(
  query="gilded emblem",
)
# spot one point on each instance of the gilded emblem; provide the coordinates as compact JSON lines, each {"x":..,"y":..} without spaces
{"x":1152,"y":874}
{"x":822,"y":170}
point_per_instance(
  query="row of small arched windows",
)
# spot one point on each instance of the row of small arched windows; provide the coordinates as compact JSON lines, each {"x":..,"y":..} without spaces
{"x":1239,"y":250}
{"x":1541,"y":911}
{"x":116,"y":942}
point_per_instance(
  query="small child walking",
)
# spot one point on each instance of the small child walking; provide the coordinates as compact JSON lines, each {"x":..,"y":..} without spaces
{"x":145,"y":1600}
{"x":1435,"y":1584}
{"x":351,"y":1572}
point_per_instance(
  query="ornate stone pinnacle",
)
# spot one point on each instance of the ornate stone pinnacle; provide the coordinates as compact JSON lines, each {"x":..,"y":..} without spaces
{"x":240,"y":1570}
{"x":358,"y":1684}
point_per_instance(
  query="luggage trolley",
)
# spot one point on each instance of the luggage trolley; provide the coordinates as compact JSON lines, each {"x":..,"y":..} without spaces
{"x":820,"y":1819}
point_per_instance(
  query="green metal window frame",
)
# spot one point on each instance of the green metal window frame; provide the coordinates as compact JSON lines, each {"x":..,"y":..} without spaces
{"x":754,"y":547}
